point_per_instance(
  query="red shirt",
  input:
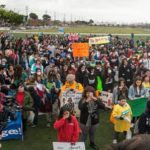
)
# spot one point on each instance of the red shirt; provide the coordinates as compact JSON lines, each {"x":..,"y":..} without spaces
{"x":20,"y":98}
{"x":67,"y":131}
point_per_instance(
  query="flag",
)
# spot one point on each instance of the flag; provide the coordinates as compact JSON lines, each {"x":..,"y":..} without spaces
{"x":99,"y":84}
{"x":138,"y":106}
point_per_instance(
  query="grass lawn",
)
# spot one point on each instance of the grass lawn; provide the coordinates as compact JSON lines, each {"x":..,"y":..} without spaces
{"x":22,"y":35}
{"x":98,"y":29}
{"x":41,"y":138}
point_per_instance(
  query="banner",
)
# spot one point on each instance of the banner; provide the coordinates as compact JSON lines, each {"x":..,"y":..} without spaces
{"x":138,"y":106}
{"x":99,"y":40}
{"x":106,"y":98}
{"x":73,"y":37}
{"x":80,"y":49}
{"x":13,"y":129}
{"x":73,"y":99}
{"x":68,"y":146}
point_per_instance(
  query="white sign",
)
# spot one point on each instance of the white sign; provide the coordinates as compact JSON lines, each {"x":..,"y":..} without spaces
{"x":99,"y":40}
{"x":68,"y":146}
{"x":73,"y":99}
{"x":106,"y":97}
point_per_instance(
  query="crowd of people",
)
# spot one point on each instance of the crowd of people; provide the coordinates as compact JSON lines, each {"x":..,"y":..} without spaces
{"x":35,"y":70}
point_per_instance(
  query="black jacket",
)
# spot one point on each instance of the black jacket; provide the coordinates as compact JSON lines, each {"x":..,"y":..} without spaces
{"x":127,"y":74}
{"x":80,"y":77}
{"x":83,"y":106}
{"x":90,"y":80}
{"x":144,"y":123}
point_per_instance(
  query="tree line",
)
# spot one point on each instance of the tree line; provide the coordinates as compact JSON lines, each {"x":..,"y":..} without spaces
{"x":9,"y":16}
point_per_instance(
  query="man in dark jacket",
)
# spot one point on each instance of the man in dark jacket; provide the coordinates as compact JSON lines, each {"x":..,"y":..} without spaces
{"x":80,"y":74}
{"x":89,"y":106}
{"x":125,"y":71}
{"x":144,"y":121}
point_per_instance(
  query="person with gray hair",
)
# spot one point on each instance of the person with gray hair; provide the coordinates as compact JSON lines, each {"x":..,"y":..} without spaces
{"x":71,"y":84}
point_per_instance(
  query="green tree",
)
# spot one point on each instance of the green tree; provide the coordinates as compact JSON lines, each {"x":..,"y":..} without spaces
{"x":10,"y":17}
{"x":2,"y":6}
{"x":46,"y":17}
{"x":91,"y":21}
{"x":56,"y":22}
{"x":33,"y":16}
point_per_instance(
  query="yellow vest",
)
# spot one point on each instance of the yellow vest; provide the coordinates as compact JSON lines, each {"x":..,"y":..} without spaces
{"x":75,"y":85}
{"x":122,"y":125}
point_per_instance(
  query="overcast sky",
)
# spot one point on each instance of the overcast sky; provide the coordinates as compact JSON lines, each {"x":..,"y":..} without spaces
{"x":120,"y":11}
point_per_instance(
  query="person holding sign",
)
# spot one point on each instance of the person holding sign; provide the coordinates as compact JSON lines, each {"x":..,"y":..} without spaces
{"x":89,"y":106}
{"x":72,"y":85}
{"x":122,"y":118}
{"x":67,"y":126}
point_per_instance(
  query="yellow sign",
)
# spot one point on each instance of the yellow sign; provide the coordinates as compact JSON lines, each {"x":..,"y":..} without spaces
{"x":99,"y":40}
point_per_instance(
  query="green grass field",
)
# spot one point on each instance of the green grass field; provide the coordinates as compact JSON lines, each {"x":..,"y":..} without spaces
{"x":98,"y":29}
{"x":90,"y":29}
{"x":41,"y":138}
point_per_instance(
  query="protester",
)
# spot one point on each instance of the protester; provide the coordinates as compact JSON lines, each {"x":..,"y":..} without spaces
{"x":25,"y":101}
{"x":125,"y":71}
{"x":46,"y":106}
{"x":89,"y":106}
{"x":67,"y":126}
{"x":46,"y":63}
{"x":120,"y":91}
{"x":136,"y":90}
{"x":81,"y":73}
{"x":90,"y":79}
{"x":36,"y":105}
{"x":144,"y":121}
{"x":146,"y":85}
{"x":37,"y":65}
{"x":122,"y":118}
{"x":71,"y":84}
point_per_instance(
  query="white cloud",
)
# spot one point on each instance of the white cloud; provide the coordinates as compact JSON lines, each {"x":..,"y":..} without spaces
{"x":99,"y":10}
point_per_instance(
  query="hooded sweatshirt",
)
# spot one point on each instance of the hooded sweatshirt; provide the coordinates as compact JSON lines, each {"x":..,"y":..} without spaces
{"x":67,"y":131}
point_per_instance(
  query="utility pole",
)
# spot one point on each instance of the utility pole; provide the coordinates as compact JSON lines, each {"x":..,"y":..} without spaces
{"x":54,"y":15}
{"x":27,"y":13}
{"x":27,"y":9}
{"x":71,"y":18}
{"x":64,"y":18}
{"x":46,"y":12}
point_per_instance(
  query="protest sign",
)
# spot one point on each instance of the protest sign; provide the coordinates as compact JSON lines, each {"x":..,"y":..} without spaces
{"x":80,"y":49}
{"x":68,"y":146}
{"x":73,"y":37}
{"x":99,"y":40}
{"x":71,"y":98}
{"x":13,"y":129}
{"x":106,"y":98}
{"x":138,"y":106}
